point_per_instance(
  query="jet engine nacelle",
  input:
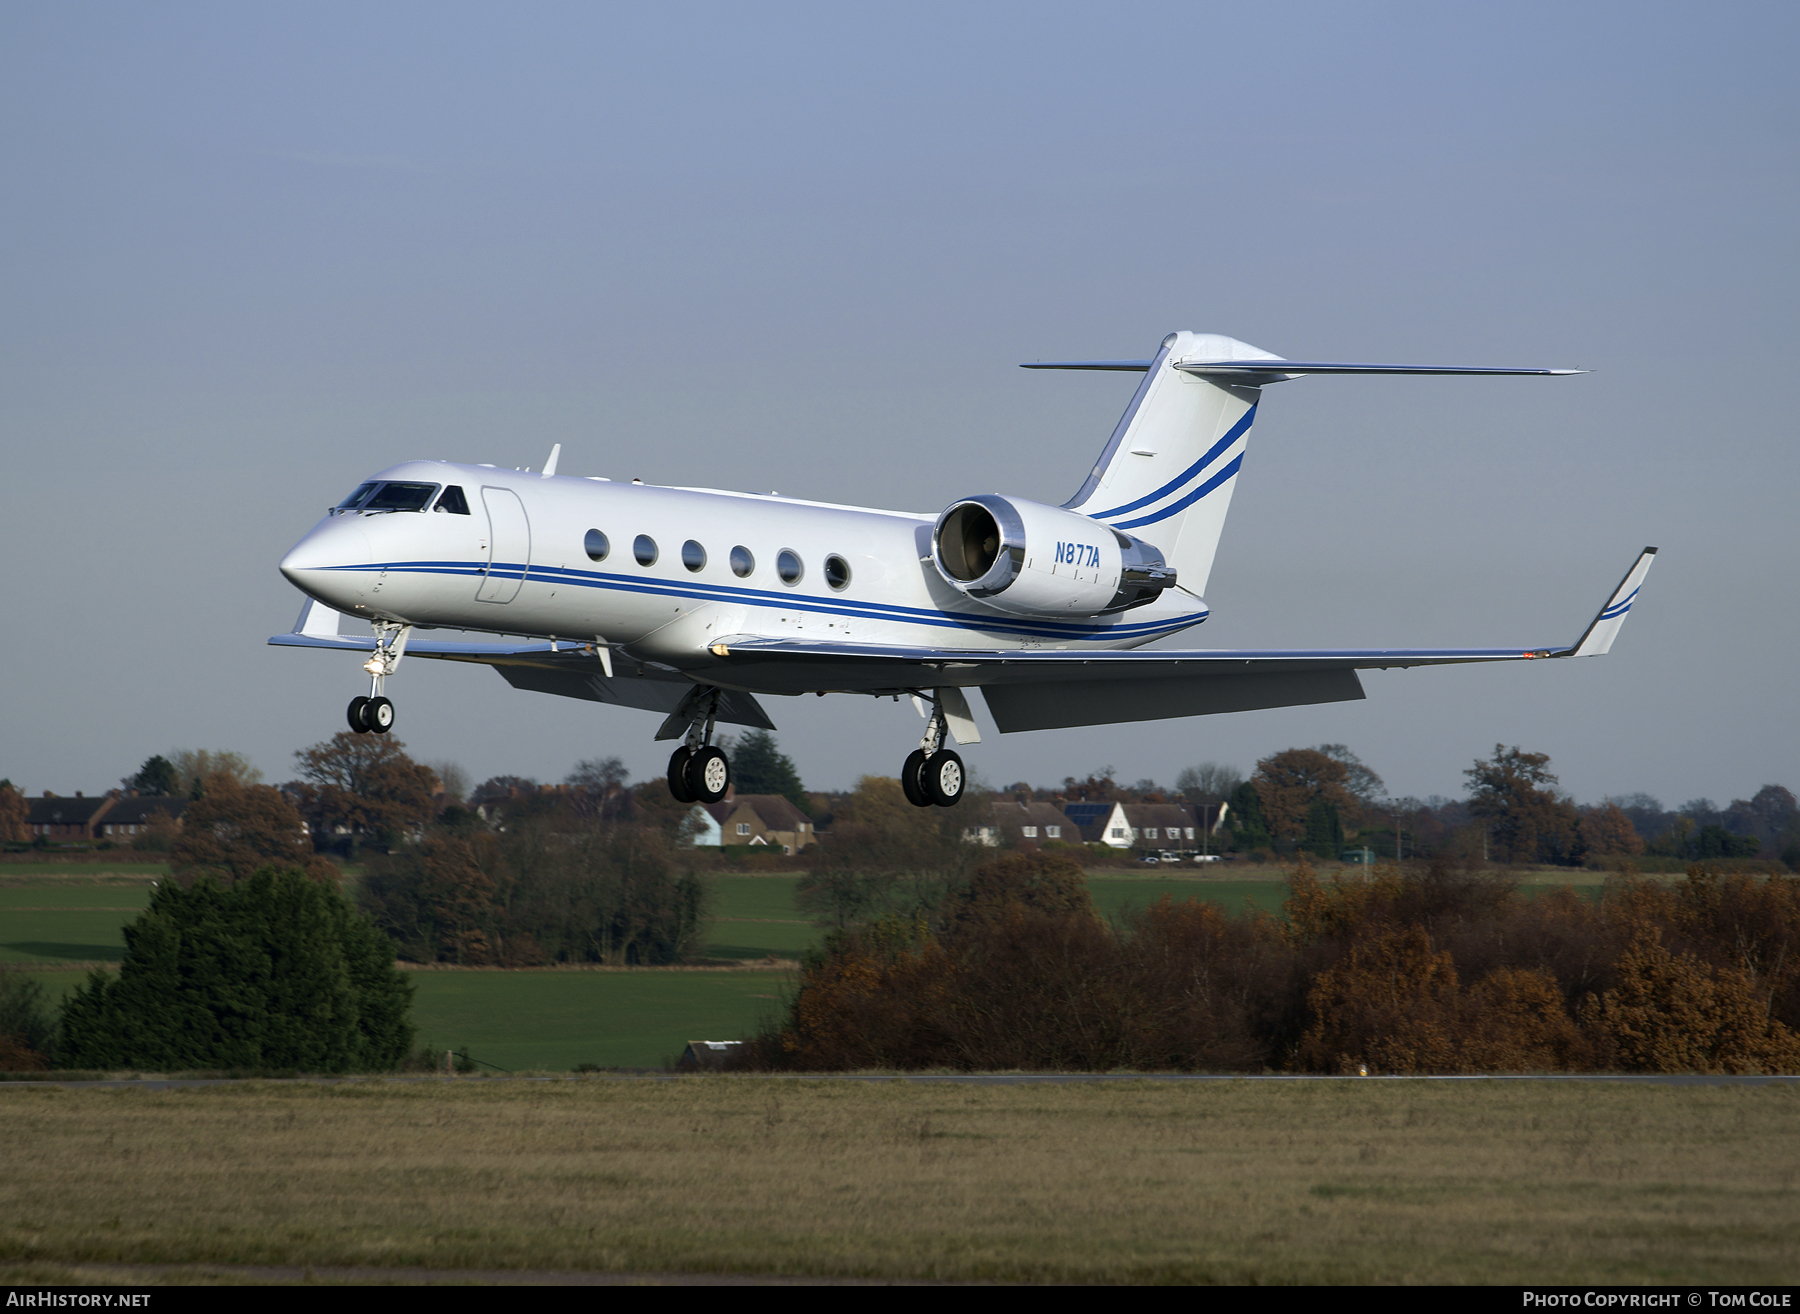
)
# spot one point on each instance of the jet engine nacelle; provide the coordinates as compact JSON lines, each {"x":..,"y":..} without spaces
{"x":1036,"y":560}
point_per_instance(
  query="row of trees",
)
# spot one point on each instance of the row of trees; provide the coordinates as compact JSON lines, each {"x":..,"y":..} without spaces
{"x":1427,"y":968}
{"x":359,"y":791}
{"x":1317,"y":800}
{"x":556,"y":888}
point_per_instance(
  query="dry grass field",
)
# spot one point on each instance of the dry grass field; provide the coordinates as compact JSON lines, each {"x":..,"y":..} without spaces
{"x":1318,"y":1182}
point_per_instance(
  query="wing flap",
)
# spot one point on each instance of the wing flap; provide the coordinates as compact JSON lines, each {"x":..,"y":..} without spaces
{"x":1055,"y":705}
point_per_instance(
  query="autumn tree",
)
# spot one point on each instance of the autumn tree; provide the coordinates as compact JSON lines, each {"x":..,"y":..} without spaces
{"x":1362,"y":782}
{"x":442,"y":900}
{"x":197,"y":768}
{"x":14,"y":814}
{"x":1389,"y":1001}
{"x":1527,"y":820}
{"x":232,"y":830}
{"x":1041,"y":882}
{"x":1290,"y":782}
{"x":1607,"y":832}
{"x":615,"y":893}
{"x":595,"y":783}
{"x":1671,"y":1012}
{"x":363,"y":784}
{"x":1208,"y":782}
{"x":884,"y":857}
{"x":1098,"y":787}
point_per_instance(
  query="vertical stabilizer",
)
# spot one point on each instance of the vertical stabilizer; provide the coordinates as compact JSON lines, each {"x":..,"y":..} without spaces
{"x":1167,"y":473}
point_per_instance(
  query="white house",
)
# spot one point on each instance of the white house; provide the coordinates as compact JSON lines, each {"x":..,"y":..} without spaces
{"x":708,"y":834}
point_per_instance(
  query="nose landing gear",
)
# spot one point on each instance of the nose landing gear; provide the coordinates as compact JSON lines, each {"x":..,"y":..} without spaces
{"x":376,"y":712}
{"x":699,"y":772}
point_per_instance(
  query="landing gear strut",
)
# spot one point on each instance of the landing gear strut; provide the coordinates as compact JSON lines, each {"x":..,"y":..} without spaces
{"x":933,"y":774}
{"x":375,"y":712}
{"x":699,"y":772}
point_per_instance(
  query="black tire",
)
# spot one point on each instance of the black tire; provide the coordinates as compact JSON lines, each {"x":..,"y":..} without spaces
{"x":678,"y":761}
{"x":912,"y":779}
{"x":944,"y":779}
{"x":355,"y":715}
{"x":708,"y":775}
{"x":378,"y":713}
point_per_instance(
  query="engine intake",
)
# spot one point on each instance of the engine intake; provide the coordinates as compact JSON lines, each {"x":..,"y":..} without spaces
{"x":1035,"y":560}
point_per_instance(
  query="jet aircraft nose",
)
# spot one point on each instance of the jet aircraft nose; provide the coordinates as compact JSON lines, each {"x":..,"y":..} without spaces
{"x":327,"y":564}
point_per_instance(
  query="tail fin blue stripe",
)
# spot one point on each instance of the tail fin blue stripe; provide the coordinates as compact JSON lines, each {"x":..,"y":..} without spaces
{"x":1229,"y":470}
{"x":1238,"y":430}
{"x":1621,"y":607}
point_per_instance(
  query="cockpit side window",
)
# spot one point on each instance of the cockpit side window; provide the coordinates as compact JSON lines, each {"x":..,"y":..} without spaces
{"x":401,"y":497}
{"x":357,"y":498}
{"x":453,"y":501}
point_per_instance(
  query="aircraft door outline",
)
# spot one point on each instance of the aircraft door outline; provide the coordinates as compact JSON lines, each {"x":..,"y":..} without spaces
{"x":509,"y":545}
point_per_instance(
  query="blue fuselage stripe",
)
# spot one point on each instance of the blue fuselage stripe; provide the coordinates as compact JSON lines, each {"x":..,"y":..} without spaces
{"x":702,"y":592}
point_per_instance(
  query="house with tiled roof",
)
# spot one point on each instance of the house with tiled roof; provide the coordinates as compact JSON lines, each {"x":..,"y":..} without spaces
{"x":132,"y":815}
{"x":1013,"y":822}
{"x":66,"y":819}
{"x":763,"y":819}
{"x":112,"y":816}
{"x":1161,"y":826}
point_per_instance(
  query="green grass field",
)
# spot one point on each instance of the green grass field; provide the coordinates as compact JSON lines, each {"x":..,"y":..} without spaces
{"x":553,"y":1020}
{"x":754,"y":917}
{"x":1326,"y":1183}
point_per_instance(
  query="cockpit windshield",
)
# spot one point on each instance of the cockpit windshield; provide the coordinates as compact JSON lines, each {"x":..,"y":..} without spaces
{"x":389,"y":497}
{"x":401,"y":497}
{"x":357,"y":498}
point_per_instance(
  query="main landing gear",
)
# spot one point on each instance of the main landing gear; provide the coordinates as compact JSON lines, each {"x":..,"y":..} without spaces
{"x":375,"y":712}
{"x":699,"y":772}
{"x":933,"y":774}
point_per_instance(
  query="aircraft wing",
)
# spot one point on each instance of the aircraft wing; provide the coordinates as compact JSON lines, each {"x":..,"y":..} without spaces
{"x":571,"y":670}
{"x":1041,"y":689}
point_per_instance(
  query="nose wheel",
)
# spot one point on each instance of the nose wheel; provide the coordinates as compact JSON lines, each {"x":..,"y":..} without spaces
{"x":365,"y":714}
{"x":376,"y":712}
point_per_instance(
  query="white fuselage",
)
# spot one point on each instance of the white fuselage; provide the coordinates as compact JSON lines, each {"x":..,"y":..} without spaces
{"x":518,"y":563}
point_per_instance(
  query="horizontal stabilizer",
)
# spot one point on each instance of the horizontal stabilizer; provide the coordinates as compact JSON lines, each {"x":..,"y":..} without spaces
{"x":1256,"y":372}
{"x":1123,"y":366}
{"x":1273,"y":371}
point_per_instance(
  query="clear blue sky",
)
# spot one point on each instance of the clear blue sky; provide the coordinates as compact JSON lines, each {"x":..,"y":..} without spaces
{"x":254,"y":252}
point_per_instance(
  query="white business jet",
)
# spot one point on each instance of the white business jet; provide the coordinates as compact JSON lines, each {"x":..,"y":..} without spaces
{"x":692,"y":601}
